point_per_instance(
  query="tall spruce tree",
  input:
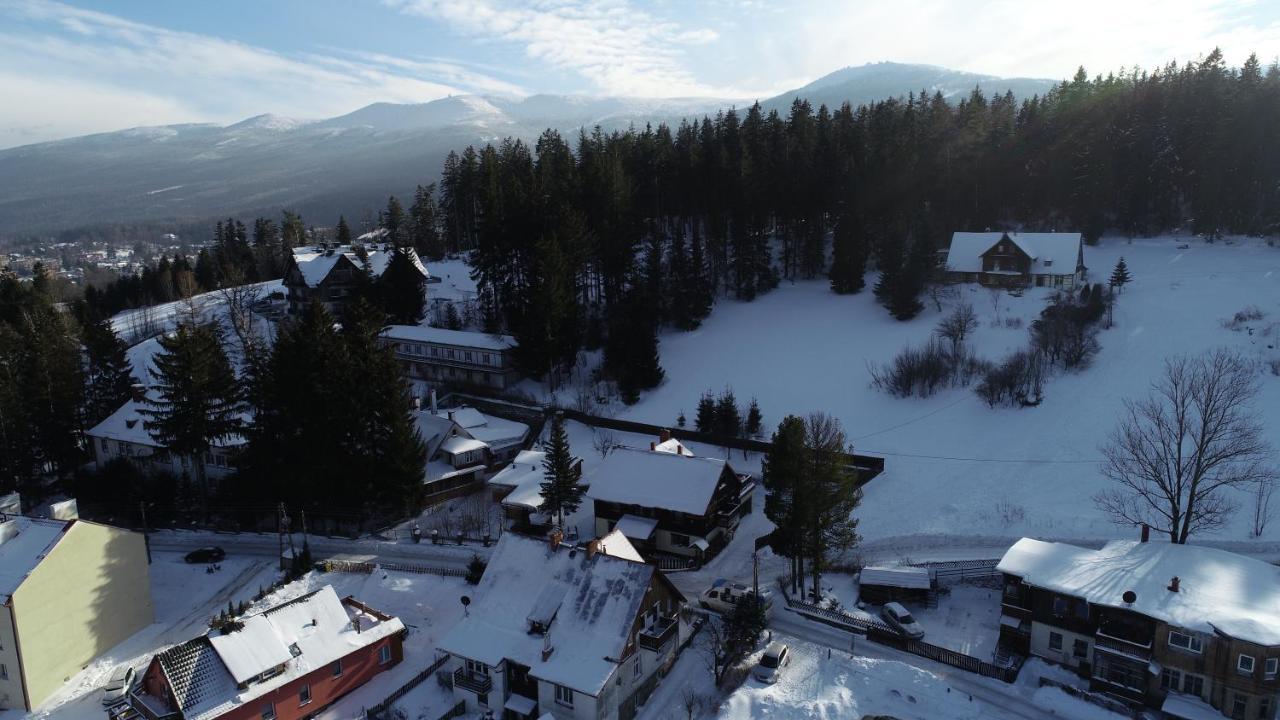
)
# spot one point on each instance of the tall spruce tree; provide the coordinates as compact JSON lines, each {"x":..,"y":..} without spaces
{"x":848,"y":258}
{"x":107,"y":374}
{"x":423,"y":224}
{"x":1120,"y":275}
{"x":197,"y":400}
{"x":705,"y":420}
{"x":561,"y":485}
{"x":395,"y":224}
{"x":830,"y":488}
{"x":403,"y":288}
{"x":752,"y":425}
{"x":783,"y":471}
{"x":343,"y":233}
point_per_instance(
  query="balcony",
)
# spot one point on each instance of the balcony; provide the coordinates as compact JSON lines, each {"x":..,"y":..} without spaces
{"x":1127,"y":648}
{"x":475,"y":682}
{"x":658,"y":633}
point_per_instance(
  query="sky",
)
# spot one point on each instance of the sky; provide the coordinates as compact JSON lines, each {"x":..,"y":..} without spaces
{"x":81,"y":67}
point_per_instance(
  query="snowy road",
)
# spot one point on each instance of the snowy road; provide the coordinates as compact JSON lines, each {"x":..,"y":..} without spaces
{"x":360,"y":550}
{"x":992,"y":692}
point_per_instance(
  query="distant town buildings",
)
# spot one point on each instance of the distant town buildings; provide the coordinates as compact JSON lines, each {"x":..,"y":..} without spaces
{"x":330,"y":273}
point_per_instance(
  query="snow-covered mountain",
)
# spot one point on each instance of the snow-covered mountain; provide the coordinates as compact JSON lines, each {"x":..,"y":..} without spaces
{"x":349,"y":163}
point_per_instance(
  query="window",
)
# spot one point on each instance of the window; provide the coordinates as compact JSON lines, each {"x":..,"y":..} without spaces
{"x":1244,"y":664}
{"x":337,"y":668}
{"x":1061,"y":606}
{"x":679,"y":540}
{"x":1271,"y":668}
{"x":106,"y":445}
{"x":483,"y":700}
{"x":477,"y":668}
{"x":564,"y":696}
{"x":1011,"y":591}
{"x":1055,"y":641}
{"x":1182,"y":641}
{"x":1239,"y":704}
{"x":1080,"y":649}
{"x":304,"y":695}
{"x":638,"y":669}
{"x":1170,"y":679}
{"x":1048,"y":263}
{"x":1264,"y":708}
{"x":269,"y":711}
{"x":384,"y":654}
{"x":1193,"y":685}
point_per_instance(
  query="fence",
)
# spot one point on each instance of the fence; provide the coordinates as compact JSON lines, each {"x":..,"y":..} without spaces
{"x":885,"y":635}
{"x":675,"y":564}
{"x":379,"y":711}
{"x":346,"y":566}
{"x":1103,"y":701}
{"x":959,"y":570}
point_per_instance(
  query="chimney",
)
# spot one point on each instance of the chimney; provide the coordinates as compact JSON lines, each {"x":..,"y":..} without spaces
{"x":593,"y":547}
{"x":450,"y":415}
{"x":664,"y":435}
{"x":1146,"y":532}
{"x":653,"y":446}
{"x":554,"y":537}
{"x":138,"y":391}
{"x":434,"y":409}
{"x":355,"y":620}
{"x":417,"y":403}
{"x":1174,"y":584}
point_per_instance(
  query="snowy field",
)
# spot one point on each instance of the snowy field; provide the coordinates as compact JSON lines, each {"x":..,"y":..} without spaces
{"x":958,"y":472}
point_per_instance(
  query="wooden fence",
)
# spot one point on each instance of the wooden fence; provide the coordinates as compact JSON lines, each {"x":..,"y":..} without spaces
{"x":380,"y":711}
{"x":346,"y":566}
{"x":884,"y":635}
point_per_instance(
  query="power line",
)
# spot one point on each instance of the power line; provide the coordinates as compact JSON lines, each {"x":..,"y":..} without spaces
{"x":1033,"y":461}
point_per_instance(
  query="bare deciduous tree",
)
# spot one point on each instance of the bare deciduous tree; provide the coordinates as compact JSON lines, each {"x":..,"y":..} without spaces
{"x":604,"y":442}
{"x":1262,"y":506}
{"x":691,"y":701}
{"x":1177,"y":454}
{"x":240,"y":299}
{"x":956,"y":328}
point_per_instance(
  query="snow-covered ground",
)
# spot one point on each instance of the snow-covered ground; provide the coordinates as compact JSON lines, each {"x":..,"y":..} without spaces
{"x":958,"y":472}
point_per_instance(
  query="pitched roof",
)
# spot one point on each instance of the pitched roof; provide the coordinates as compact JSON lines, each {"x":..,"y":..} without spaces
{"x":24,"y":542}
{"x":444,"y":336}
{"x":525,"y":476}
{"x":674,"y":447}
{"x":1232,"y":594}
{"x":1061,"y":250}
{"x":315,"y":263}
{"x":489,"y":428}
{"x":304,"y":634}
{"x":128,"y":424}
{"x":657,"y":479}
{"x":914,"y":578}
{"x":592,"y":602}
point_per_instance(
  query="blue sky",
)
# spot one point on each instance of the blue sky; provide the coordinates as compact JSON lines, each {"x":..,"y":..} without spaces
{"x":81,"y":66}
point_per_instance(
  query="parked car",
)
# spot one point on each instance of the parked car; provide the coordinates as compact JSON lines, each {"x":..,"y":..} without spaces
{"x":118,"y":685}
{"x":901,"y":620}
{"x":206,"y":555}
{"x":775,"y":657}
{"x":723,"y":596}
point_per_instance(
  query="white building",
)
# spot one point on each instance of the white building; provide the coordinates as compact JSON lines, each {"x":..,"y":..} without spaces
{"x":504,"y":438}
{"x":571,"y":632}
{"x":1017,"y":259}
{"x":124,"y":435}
{"x":438,"y":355}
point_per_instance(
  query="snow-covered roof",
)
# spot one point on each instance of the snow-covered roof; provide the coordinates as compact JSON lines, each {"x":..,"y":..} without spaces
{"x":912,"y":578}
{"x":305,"y":634}
{"x":458,"y":444}
{"x":24,"y":542}
{"x":636,"y":528}
{"x":128,"y":424}
{"x":1061,"y":250}
{"x":674,"y":447}
{"x":657,"y":479}
{"x":1188,"y":707}
{"x":525,"y":476}
{"x":493,"y":430}
{"x":434,"y":430}
{"x":616,"y":544}
{"x":593,"y":600}
{"x":315,"y":263}
{"x":1232,"y":594}
{"x":445,"y":336}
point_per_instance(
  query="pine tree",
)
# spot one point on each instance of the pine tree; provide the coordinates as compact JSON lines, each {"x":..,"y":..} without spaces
{"x":752,"y":425}
{"x":782,"y":474}
{"x":452,"y":320}
{"x":1120,"y":275}
{"x":197,"y":400}
{"x":343,"y":232}
{"x":680,"y":420}
{"x":831,"y":494}
{"x":395,"y":224}
{"x":706,"y":421}
{"x":403,"y":288}
{"x":107,"y":373}
{"x":728,"y":418}
{"x":425,"y":234}
{"x":848,"y":258}
{"x":561,"y":488}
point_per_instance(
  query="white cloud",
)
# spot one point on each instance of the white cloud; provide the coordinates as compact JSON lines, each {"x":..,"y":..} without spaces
{"x":618,"y":48}
{"x":90,"y":65}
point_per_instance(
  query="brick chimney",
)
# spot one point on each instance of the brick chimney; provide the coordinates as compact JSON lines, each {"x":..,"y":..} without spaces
{"x":138,"y":391}
{"x":1146,"y":532}
{"x":664,"y":436}
{"x":1174,"y":584}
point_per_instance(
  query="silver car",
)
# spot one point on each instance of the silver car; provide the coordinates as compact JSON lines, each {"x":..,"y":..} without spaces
{"x":775,"y":657}
{"x":901,"y":620}
{"x":118,"y":685}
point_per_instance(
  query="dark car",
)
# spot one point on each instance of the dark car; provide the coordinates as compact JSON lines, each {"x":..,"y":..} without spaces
{"x":206,"y":555}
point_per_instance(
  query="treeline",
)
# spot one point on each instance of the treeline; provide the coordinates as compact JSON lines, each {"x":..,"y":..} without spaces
{"x":61,"y":373}
{"x":646,"y":227}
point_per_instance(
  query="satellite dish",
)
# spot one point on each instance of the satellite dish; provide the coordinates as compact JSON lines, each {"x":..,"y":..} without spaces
{"x":1130,"y":597}
{"x":465,"y":601}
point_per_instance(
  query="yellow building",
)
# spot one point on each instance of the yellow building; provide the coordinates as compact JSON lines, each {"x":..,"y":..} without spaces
{"x":71,"y":590}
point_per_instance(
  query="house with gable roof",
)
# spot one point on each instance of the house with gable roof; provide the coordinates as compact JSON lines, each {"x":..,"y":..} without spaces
{"x":330,"y":273}
{"x":1191,"y":630}
{"x":567,"y":631}
{"x":284,"y":663}
{"x":1013,"y":259}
